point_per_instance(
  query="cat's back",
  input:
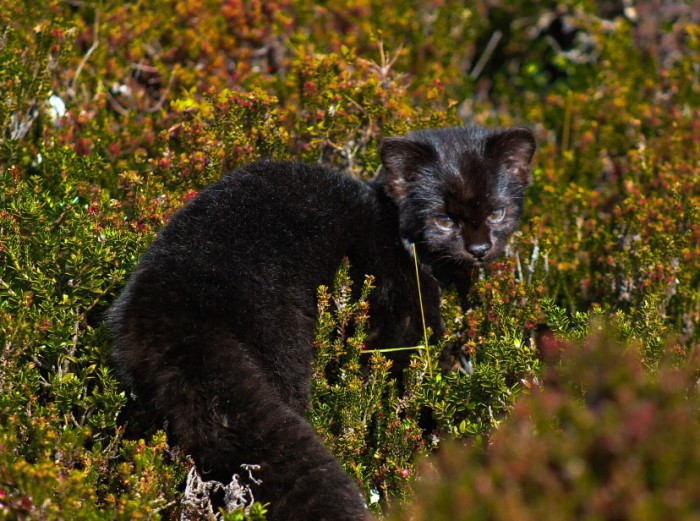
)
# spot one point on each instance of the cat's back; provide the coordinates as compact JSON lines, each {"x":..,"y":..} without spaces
{"x":270,"y":210}
{"x":260,"y":241}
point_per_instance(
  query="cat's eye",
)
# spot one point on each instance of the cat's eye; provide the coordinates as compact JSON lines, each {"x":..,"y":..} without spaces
{"x":496,"y":216}
{"x":445,"y":222}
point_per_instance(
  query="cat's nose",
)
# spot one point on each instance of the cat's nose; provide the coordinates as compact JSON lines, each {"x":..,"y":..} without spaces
{"x":479,"y":249}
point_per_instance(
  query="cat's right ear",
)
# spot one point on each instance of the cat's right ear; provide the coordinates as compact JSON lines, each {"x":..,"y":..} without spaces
{"x":402,"y":158}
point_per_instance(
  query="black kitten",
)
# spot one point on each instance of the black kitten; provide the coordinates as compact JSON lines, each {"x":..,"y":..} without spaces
{"x":215,"y":327}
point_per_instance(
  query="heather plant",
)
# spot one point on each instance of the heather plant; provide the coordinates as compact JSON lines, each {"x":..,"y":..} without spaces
{"x":377,"y":425}
{"x":113,"y":115}
{"x":61,"y":442}
{"x":602,"y":438}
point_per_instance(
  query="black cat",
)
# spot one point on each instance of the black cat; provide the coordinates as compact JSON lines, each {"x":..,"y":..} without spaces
{"x":215,"y":326}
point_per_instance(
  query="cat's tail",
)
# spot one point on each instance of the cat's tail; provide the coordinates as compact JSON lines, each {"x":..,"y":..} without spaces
{"x":223,"y":411}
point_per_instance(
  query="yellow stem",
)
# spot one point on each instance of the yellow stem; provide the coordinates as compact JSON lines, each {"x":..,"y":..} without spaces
{"x":391,"y":349}
{"x":422,"y":314}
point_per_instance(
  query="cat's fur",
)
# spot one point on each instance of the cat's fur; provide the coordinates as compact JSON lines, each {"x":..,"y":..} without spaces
{"x":215,"y":326}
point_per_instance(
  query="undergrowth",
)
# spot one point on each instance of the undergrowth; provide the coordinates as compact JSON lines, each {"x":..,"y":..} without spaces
{"x":115,"y":114}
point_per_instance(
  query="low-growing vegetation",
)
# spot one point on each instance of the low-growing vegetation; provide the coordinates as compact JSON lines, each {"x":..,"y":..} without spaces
{"x":114,"y":114}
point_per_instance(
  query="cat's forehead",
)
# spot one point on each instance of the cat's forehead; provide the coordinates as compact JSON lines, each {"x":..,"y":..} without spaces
{"x":453,"y":142}
{"x":469,"y":179}
{"x":461,"y":156}
{"x":461,"y":153}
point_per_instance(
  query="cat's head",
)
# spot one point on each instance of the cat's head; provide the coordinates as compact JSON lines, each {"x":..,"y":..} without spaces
{"x":459,"y":190}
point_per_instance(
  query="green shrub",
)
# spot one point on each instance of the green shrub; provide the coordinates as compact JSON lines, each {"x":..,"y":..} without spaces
{"x":602,"y":438}
{"x":113,"y":115}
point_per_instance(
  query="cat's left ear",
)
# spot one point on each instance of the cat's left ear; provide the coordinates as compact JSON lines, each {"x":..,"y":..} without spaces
{"x":514,"y":147}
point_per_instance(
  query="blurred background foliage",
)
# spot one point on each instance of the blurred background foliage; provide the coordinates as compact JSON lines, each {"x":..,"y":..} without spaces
{"x":114,"y":114}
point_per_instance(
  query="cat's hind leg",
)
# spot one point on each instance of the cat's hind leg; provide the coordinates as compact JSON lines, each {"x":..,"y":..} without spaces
{"x":225,"y":413}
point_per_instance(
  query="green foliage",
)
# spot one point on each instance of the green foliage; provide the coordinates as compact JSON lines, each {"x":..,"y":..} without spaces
{"x":357,"y":408}
{"x":62,"y":450}
{"x":114,"y":114}
{"x":602,"y":438}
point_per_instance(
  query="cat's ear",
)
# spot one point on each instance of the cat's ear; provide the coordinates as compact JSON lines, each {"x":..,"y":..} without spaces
{"x":514,"y":148}
{"x":402,"y":158}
